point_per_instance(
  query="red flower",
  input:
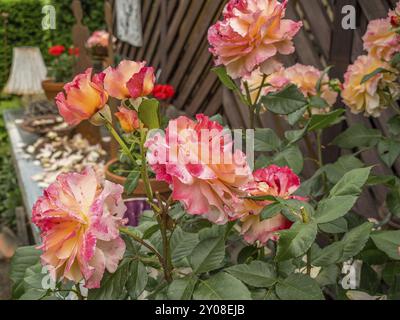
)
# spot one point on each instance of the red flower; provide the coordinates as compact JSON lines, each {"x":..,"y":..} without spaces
{"x":163,"y":91}
{"x":73,"y":51}
{"x":56,"y":50}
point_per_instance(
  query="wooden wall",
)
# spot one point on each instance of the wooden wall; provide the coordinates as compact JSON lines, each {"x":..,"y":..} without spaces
{"x":175,"y":40}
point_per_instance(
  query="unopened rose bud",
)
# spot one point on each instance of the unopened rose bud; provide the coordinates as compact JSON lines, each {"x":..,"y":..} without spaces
{"x":336,"y":85}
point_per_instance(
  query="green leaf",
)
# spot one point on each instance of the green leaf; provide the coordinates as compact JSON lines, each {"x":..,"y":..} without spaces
{"x":149,"y":113}
{"x":266,"y":140}
{"x":222,"y":286}
{"x":334,"y":208}
{"x":224,"y":78}
{"x":389,"y":151}
{"x":388,"y":242}
{"x":323,"y":121}
{"x":334,"y":227}
{"x":337,"y":170}
{"x":328,"y":276}
{"x":112,"y":285}
{"x":394,"y":125}
{"x":131,"y":182}
{"x":328,"y":255}
{"x":358,"y":136}
{"x":295,"y":117}
{"x":257,"y":274}
{"x":355,"y":240}
{"x":299,"y":287}
{"x":182,"y":289}
{"x":137,"y":280}
{"x":271,"y":211}
{"x":294,"y":136}
{"x":393,"y":202}
{"x":287,"y":101}
{"x":352,"y":183}
{"x":208,"y":255}
{"x":318,"y":102}
{"x":392,"y":269}
{"x":291,"y":157}
{"x":295,"y":242}
{"x":24,"y":258}
{"x":218,"y":118}
{"x":324,"y":73}
{"x":373,"y":74}
{"x":182,"y":244}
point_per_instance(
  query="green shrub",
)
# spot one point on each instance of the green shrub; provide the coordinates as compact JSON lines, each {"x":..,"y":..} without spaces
{"x":24,"y":27}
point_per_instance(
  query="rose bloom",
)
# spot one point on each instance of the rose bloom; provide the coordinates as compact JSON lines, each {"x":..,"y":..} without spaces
{"x":84,"y":97}
{"x":205,"y":173}
{"x":163,"y":91}
{"x":99,"y":38}
{"x":380,"y":40}
{"x":56,"y":50}
{"x":369,"y":96}
{"x":129,"y":80}
{"x":251,"y":34}
{"x":271,"y":181}
{"x":79,"y":222}
{"x":128,"y":119}
{"x":304,"y":77}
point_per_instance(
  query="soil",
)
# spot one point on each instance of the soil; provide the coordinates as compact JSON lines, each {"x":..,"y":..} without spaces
{"x":5,"y":283}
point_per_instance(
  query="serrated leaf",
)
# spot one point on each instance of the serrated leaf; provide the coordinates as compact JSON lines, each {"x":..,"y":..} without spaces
{"x":137,"y":279}
{"x":23,"y":258}
{"x":112,"y":285}
{"x":389,"y":151}
{"x":271,"y":211}
{"x":358,"y":136}
{"x":286,"y":101}
{"x":355,"y":240}
{"x":182,"y":244}
{"x":291,"y":157}
{"x":222,"y":286}
{"x":337,"y":170}
{"x":328,"y":255}
{"x":388,"y":242}
{"x":299,"y":287}
{"x":323,"y":121}
{"x":352,"y":183}
{"x":257,"y":274}
{"x":334,"y":227}
{"x":296,"y":241}
{"x":208,"y":255}
{"x":181,"y":289}
{"x":266,"y":140}
{"x":334,"y":208}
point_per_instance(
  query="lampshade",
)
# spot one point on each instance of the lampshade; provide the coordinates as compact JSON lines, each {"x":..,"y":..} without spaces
{"x":27,"y":72}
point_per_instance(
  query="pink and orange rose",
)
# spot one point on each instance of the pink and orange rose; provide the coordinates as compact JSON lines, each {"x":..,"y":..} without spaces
{"x":85,"y":96}
{"x":251,"y":34}
{"x":381,"y":40}
{"x":129,"y":80}
{"x":271,"y":181}
{"x":369,"y":97}
{"x":128,"y":119}
{"x":79,"y":222}
{"x":198,"y":161}
{"x":99,"y":38}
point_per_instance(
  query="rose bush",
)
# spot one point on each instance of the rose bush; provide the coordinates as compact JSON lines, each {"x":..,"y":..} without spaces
{"x":228,"y":230}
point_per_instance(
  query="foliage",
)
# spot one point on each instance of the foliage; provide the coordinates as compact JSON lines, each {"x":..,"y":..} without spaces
{"x":24,"y":27}
{"x":9,"y":191}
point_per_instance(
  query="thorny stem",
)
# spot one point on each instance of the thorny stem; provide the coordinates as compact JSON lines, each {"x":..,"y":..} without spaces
{"x":306,"y":219}
{"x":120,"y":141}
{"x":143,"y":243}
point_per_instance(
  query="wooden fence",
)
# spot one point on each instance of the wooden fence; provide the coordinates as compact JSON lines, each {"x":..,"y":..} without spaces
{"x":175,"y":40}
